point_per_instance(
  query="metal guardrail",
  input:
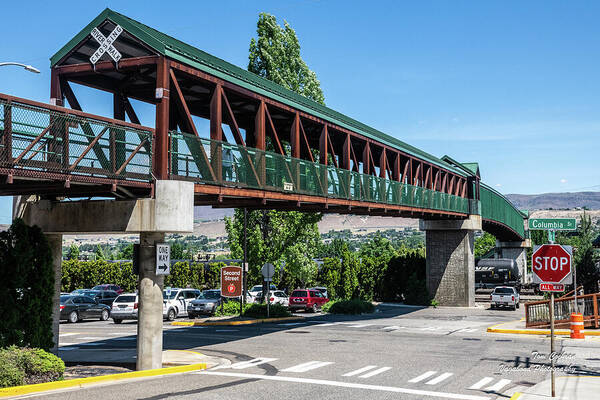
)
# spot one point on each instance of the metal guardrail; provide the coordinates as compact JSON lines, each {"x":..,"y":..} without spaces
{"x":496,"y":207}
{"x":213,"y":162}
{"x":537,"y":313}
{"x":36,"y":139}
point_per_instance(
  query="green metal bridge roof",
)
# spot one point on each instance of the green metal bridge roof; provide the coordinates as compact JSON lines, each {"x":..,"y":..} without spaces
{"x":194,"y":57}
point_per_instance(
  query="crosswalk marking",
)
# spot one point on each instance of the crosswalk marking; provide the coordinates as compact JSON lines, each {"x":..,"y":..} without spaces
{"x":466,"y":330}
{"x":329,"y":324}
{"x":359,"y":325}
{"x":440,"y":378}
{"x":307,"y":366}
{"x":390,"y":328}
{"x":376,"y":372}
{"x":423,"y":376}
{"x":482,"y":383}
{"x":68,"y":334}
{"x":430,"y":328}
{"x":499,"y":385}
{"x":361,"y":370}
{"x":251,"y":363}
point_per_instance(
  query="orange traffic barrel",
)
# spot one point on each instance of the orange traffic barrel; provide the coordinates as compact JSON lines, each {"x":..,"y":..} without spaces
{"x":577,"y":331}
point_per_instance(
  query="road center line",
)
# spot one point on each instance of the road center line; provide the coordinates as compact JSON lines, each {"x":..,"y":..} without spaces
{"x":347,"y":385}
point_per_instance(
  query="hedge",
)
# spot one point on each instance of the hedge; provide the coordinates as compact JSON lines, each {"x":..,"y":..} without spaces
{"x":26,"y":366}
{"x":354,"y":306}
{"x":87,"y":274}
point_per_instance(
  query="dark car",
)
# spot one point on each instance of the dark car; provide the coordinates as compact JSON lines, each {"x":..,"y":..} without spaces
{"x":77,"y":308}
{"x":307,"y":299}
{"x":206,"y":303}
{"x":107,"y":286}
{"x":103,"y":296}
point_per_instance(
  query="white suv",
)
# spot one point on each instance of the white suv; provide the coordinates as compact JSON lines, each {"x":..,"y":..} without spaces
{"x":176,"y":302}
{"x":124,"y":307}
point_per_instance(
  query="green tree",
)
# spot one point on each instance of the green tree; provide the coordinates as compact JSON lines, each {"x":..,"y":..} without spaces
{"x":100,"y":253}
{"x":289,"y":238}
{"x":126,"y":252}
{"x":484,"y":244}
{"x":275,"y":55}
{"x":176,"y":251}
{"x":73,"y":252}
{"x":27,"y":284}
{"x":584,"y":259}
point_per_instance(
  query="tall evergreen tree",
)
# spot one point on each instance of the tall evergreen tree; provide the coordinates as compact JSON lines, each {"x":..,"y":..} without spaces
{"x":281,"y":238}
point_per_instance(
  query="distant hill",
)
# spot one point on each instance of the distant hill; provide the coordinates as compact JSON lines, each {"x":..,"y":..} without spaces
{"x":545,"y":201}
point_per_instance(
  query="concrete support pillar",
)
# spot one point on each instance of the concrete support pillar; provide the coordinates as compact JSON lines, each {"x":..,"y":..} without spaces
{"x":516,"y":251}
{"x":150,"y":315}
{"x":450,"y":261}
{"x":55,"y":243}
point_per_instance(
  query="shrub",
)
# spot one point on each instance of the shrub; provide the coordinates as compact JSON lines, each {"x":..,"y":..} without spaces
{"x":19,"y":366}
{"x":230,"y":308}
{"x":260,"y":311}
{"x":354,"y":306}
{"x":416,"y":292}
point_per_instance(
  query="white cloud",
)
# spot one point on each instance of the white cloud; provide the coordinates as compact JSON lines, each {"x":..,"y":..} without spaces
{"x":563,"y":180}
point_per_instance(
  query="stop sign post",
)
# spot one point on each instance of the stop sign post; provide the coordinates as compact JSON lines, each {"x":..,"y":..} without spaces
{"x":551,"y":263}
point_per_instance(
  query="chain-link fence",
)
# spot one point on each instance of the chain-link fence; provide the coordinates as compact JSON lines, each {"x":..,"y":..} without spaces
{"x":213,"y":162}
{"x":37,"y":139}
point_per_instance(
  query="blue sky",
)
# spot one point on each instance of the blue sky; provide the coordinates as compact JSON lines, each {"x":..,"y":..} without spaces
{"x":512,"y":85}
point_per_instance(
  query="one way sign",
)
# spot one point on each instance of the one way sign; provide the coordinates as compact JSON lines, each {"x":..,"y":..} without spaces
{"x":163,"y":259}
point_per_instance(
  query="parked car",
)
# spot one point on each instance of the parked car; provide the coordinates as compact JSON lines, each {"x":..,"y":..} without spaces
{"x":321,"y":289}
{"x":79,"y":291}
{"x":124,"y":307}
{"x":505,"y":296}
{"x":75,"y":308}
{"x":306,"y":299}
{"x":206,"y":303}
{"x":176,"y":302}
{"x":256,"y":289}
{"x":107,"y":286}
{"x":103,"y":296}
{"x":276,"y":297}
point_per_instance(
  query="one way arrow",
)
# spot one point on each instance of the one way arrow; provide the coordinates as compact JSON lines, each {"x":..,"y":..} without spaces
{"x":163,"y":267}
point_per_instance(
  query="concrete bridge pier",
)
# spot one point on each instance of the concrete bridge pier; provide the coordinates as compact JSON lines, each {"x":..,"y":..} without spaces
{"x":450,"y":261}
{"x":171,"y":210}
{"x":516,"y":251}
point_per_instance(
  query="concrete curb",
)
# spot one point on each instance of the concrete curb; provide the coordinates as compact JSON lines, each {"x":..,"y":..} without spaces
{"x":244,"y":322}
{"x":530,"y":331}
{"x":83,"y":382}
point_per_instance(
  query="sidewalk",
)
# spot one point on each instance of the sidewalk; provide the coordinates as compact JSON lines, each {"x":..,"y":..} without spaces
{"x":518,"y":327}
{"x":567,"y":387}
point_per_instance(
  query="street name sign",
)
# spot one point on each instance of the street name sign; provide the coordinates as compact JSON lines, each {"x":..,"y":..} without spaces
{"x":552,"y":287}
{"x":551,"y":263}
{"x":231,"y":281}
{"x":163,"y":259}
{"x":553,"y":224}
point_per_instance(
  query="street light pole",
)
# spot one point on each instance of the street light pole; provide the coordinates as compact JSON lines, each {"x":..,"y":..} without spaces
{"x":26,"y":66}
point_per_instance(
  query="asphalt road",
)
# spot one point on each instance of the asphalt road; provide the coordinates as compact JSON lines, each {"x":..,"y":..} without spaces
{"x":397,"y":353}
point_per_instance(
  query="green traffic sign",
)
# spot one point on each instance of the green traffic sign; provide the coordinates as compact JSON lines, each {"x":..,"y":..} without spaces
{"x":553,"y":224}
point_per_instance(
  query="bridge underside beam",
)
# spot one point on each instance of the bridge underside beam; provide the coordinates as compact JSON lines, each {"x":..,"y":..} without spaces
{"x":230,"y":197}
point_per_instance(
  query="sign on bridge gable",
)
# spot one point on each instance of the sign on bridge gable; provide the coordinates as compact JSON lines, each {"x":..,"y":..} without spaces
{"x":106,"y":44}
{"x":551,"y":263}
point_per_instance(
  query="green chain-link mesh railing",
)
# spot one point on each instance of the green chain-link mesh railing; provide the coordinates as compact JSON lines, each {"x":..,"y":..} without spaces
{"x":213,"y":162}
{"x":37,"y":139}
{"x":496,"y":207}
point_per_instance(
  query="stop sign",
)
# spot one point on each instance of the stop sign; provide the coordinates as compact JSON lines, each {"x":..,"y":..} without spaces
{"x":552,"y":263}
